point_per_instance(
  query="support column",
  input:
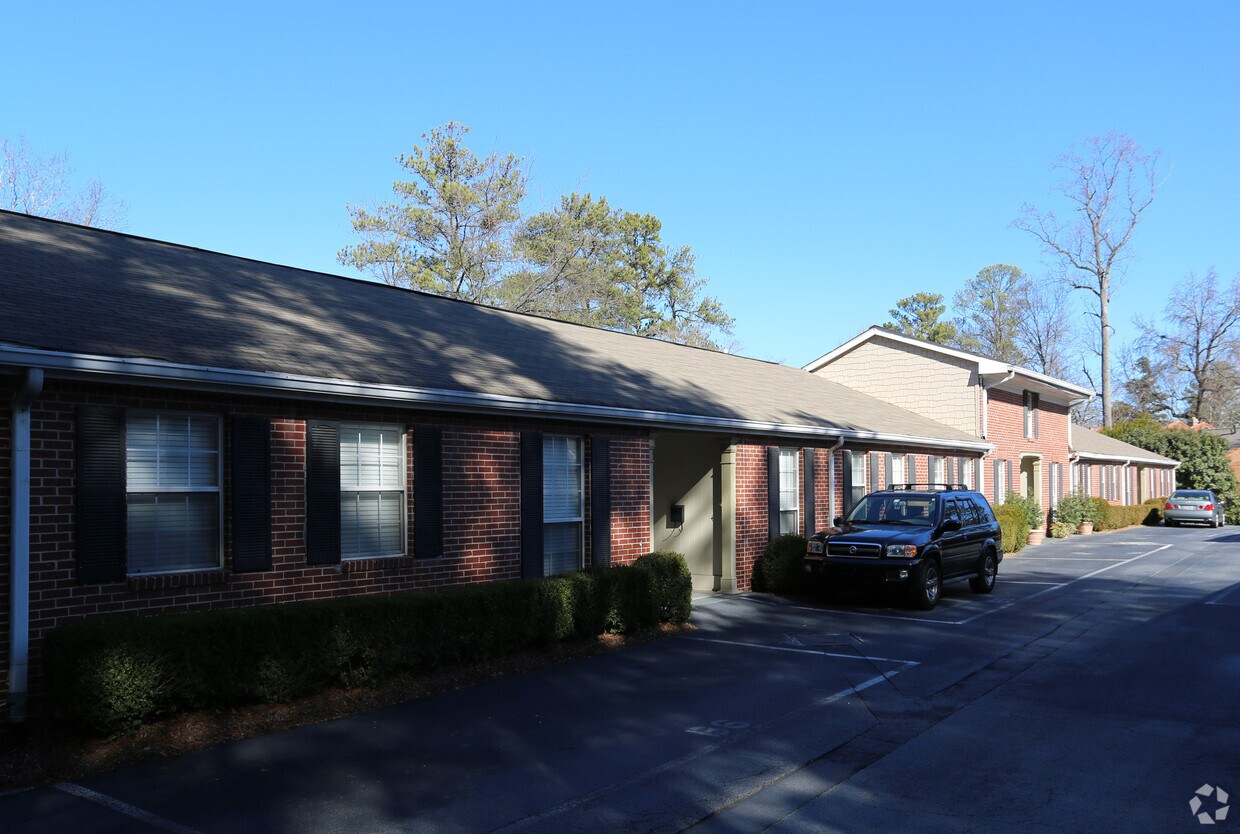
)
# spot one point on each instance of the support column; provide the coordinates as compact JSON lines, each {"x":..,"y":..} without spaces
{"x":19,"y":549}
{"x":727,"y":514}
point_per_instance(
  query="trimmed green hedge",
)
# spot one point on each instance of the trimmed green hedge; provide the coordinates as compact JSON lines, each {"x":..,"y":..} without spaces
{"x":1117,"y":518}
{"x":781,"y":568}
{"x":111,"y":674}
{"x":1014,"y":523}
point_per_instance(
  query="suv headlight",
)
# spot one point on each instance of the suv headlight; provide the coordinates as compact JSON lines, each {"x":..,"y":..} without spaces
{"x":902,"y":551}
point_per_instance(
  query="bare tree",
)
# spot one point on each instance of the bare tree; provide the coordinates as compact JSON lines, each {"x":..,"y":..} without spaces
{"x":1046,"y":333}
{"x":1109,"y":183}
{"x":44,"y":186}
{"x":1195,"y":350}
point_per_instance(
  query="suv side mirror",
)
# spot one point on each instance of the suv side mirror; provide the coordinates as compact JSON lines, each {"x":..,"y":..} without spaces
{"x":951,"y":525}
{"x":839,"y":521}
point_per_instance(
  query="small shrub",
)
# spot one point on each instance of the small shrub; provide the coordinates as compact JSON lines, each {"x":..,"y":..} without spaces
{"x":781,"y":565}
{"x":1014,"y":524}
{"x":1074,"y":508}
{"x":1034,"y":519}
{"x":1062,"y":530}
{"x":1154,"y":510}
{"x":673,"y":584}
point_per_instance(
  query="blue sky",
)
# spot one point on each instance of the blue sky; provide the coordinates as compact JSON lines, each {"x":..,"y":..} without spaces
{"x":822,"y":159}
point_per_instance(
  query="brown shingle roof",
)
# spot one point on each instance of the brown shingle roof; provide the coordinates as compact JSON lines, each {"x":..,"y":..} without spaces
{"x":1086,"y":442}
{"x":77,"y":290}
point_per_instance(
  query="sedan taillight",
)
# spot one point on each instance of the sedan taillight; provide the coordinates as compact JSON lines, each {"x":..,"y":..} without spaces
{"x":1208,"y":507}
{"x":1167,"y":506}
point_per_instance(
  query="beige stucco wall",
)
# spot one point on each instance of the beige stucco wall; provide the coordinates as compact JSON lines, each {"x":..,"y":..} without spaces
{"x":689,"y":470}
{"x":931,"y":384}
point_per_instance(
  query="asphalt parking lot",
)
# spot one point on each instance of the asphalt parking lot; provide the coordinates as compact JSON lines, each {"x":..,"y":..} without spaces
{"x":1095,"y":688}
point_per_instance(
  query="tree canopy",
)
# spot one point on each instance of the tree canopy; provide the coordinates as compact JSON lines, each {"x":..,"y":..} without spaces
{"x":990,"y":310}
{"x":457,"y":229}
{"x":921,"y":315}
{"x":1202,"y":457}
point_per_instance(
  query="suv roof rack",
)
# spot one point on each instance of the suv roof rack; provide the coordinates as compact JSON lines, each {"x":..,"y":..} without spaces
{"x":927,"y":487}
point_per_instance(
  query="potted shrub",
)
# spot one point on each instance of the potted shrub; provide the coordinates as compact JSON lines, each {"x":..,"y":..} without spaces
{"x":1074,"y":512}
{"x":1032,"y":511}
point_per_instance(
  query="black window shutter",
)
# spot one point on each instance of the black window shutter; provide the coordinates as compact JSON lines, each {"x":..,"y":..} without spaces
{"x":322,"y":492}
{"x":873,"y":471}
{"x":1037,"y":401}
{"x":811,"y":519}
{"x":251,"y":493}
{"x":847,"y":483}
{"x":427,"y":492}
{"x":600,"y":501}
{"x":531,"y":503}
{"x":100,"y":494}
{"x":890,"y":467}
{"x":772,"y":491}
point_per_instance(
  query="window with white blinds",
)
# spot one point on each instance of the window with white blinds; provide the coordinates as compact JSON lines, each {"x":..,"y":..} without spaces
{"x":172,"y":476}
{"x":372,"y":491}
{"x":898,"y":473}
{"x":856,"y":463}
{"x":789,"y":497}
{"x":563,"y":504}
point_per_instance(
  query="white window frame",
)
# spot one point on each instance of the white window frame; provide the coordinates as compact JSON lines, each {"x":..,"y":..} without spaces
{"x":403,"y":490}
{"x":900,"y":463}
{"x":857,"y":461}
{"x":790,"y":502}
{"x":580,"y":518}
{"x":218,"y":489}
{"x":1031,"y":403}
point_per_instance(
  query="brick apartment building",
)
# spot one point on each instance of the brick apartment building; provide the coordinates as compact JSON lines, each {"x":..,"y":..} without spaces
{"x":1024,"y":415}
{"x":189,"y":430}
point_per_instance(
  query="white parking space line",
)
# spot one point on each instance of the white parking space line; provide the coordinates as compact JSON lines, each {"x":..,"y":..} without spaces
{"x":123,"y":808}
{"x":877,"y":679}
{"x":1020,"y":559}
{"x":1028,"y":582}
{"x":856,"y":656}
{"x":1065,"y":584}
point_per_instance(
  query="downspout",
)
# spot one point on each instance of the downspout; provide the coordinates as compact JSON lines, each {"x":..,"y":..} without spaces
{"x":1073,"y":457}
{"x":986,"y":402}
{"x":831,"y":478}
{"x":19,"y":551}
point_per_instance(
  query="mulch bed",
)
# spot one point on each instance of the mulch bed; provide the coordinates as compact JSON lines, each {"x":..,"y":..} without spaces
{"x":42,"y":751}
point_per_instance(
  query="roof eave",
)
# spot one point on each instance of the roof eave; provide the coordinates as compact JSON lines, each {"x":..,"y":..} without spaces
{"x":253,"y":383}
{"x":985,"y":367}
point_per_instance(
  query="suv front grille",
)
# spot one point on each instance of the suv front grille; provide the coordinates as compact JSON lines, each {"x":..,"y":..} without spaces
{"x":872,"y":551}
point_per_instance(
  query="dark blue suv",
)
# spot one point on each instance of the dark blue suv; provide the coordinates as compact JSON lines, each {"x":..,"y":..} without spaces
{"x":913,"y":535}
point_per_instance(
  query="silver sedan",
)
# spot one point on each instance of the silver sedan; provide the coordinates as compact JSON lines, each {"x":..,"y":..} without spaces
{"x":1200,"y":505}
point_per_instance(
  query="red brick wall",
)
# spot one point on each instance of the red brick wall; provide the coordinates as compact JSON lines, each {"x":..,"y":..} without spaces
{"x":481,"y":481}
{"x":1006,"y":429}
{"x":752,"y":513}
{"x":630,"y":498}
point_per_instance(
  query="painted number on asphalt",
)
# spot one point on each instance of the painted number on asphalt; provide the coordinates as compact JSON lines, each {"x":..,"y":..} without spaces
{"x":719,"y":728}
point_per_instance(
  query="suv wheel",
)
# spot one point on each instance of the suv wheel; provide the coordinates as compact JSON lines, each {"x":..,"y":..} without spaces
{"x":987,"y":571}
{"x":927,"y":585}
